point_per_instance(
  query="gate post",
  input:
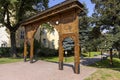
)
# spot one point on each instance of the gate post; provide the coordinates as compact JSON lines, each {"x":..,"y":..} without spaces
{"x":31,"y":49}
{"x":25,"y":49}
{"x":77,"y":59}
{"x":77,"y":46}
{"x":60,"y":55}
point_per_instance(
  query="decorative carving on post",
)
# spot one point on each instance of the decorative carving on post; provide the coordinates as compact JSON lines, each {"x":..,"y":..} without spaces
{"x":29,"y":38}
{"x":61,"y":54}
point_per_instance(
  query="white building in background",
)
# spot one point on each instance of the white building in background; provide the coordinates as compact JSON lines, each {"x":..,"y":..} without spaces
{"x":48,"y":40}
{"x":4,"y":37}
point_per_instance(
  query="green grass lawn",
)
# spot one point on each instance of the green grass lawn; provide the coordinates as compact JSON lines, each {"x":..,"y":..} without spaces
{"x":105,"y":63}
{"x":105,"y":71}
{"x":9,"y":60}
{"x":91,"y":54}
{"x":105,"y":74}
{"x":49,"y":59}
{"x":56,"y":59}
{"x":67,"y":59}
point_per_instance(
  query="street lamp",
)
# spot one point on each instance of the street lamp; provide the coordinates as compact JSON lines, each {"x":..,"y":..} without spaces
{"x":66,"y":56}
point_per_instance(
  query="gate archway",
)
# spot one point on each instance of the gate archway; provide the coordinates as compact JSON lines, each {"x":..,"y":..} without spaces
{"x":65,"y":19}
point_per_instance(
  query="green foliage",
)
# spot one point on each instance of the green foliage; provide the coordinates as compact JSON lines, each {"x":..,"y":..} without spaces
{"x":48,"y":26}
{"x":107,"y":17}
{"x":85,"y":29}
{"x":4,"y":52}
{"x":91,"y":54}
{"x":13,"y":12}
{"x":96,"y":33}
{"x":107,"y":11}
{"x":47,"y":52}
{"x":43,"y":51}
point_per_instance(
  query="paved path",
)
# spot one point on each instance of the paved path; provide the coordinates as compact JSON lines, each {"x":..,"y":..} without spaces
{"x":42,"y":70}
{"x":88,"y":61}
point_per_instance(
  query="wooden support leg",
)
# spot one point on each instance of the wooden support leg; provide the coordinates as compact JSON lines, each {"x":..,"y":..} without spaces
{"x":60,"y":56}
{"x":25,"y":50}
{"x":31,"y":50}
{"x":77,"y":60}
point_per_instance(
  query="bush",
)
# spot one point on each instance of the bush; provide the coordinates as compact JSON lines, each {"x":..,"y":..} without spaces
{"x":4,"y":52}
{"x":46,"y":52}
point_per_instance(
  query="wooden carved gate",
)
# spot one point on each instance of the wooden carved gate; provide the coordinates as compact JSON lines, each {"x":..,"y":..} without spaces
{"x":64,"y":18}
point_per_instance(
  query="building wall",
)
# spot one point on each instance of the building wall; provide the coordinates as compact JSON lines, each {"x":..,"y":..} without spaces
{"x":4,"y":37}
{"x":20,"y":33}
{"x":49,"y":40}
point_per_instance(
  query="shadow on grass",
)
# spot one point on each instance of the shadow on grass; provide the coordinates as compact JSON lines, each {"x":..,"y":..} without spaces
{"x":106,"y":64}
{"x":89,"y":61}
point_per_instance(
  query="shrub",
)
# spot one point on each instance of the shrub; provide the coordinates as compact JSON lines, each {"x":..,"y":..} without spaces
{"x":46,"y":52}
{"x":4,"y":51}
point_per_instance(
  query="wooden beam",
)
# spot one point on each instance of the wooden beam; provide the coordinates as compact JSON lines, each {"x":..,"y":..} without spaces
{"x":77,"y":46}
{"x":25,"y":49}
{"x":61,"y":54}
{"x":31,"y":49}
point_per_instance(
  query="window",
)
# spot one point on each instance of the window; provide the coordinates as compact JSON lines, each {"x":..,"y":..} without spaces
{"x":22,"y":35}
{"x":44,"y":31}
{"x":44,"y":42}
{"x":4,"y":44}
{"x":53,"y":32}
{"x":53,"y":43}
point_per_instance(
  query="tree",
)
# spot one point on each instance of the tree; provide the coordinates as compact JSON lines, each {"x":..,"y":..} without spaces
{"x":87,"y":31}
{"x":12,"y":12}
{"x":107,"y":16}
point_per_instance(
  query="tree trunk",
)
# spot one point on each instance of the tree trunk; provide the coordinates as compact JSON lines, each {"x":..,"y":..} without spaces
{"x":13,"y":44}
{"x":111,"y":57}
{"x":118,"y":49}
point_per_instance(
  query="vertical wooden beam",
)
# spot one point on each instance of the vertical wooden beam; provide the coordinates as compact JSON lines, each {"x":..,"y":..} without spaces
{"x":60,"y":55}
{"x":31,"y":49}
{"x":77,"y":58}
{"x":25,"y":49}
{"x":77,"y":46}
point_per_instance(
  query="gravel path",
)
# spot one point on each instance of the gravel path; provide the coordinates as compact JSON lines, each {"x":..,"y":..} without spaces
{"x":42,"y":70}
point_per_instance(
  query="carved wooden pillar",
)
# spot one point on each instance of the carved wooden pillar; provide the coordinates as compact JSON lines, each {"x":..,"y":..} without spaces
{"x":31,"y":49}
{"x":25,"y":48}
{"x":29,"y":37}
{"x":60,"y":54}
{"x":77,"y":57}
{"x":77,"y":46}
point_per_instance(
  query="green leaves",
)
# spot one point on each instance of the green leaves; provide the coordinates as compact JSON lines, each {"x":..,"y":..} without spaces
{"x":107,"y":14}
{"x":48,"y":26}
{"x":13,"y":1}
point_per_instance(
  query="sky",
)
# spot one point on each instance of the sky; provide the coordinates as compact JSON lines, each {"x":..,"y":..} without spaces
{"x":88,"y":3}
